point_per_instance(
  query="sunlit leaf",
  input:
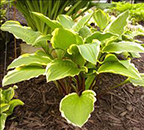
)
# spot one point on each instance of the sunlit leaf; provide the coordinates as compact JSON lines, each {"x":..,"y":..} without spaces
{"x":59,"y":69}
{"x":63,"y":38}
{"x":40,"y":57}
{"x":138,"y":82}
{"x":117,"y":26}
{"x":3,"y":117}
{"x":65,"y":21}
{"x":99,"y":36}
{"x":51,"y":23}
{"x":21,"y":32}
{"x":4,"y":107}
{"x":21,"y":74}
{"x":100,"y":18}
{"x":76,"y":109}
{"x":123,"y":67}
{"x":25,"y":33}
{"x":119,"y":47}
{"x":82,"y":22}
{"x":89,"y":52}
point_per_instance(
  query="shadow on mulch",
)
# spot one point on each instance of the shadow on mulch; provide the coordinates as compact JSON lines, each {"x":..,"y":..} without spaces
{"x":120,"y":109}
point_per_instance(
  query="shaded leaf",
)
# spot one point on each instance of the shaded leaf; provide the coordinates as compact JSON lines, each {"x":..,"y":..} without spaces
{"x":42,"y":38}
{"x":9,"y":93}
{"x":89,"y":81}
{"x":75,"y":55}
{"x":14,"y":103}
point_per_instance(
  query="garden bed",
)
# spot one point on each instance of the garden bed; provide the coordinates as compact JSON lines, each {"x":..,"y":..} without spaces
{"x":120,"y":109}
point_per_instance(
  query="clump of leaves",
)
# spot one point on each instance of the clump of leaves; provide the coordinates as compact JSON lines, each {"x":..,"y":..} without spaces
{"x":50,"y":8}
{"x":7,"y":104}
{"x":136,"y":10}
{"x":75,"y":57}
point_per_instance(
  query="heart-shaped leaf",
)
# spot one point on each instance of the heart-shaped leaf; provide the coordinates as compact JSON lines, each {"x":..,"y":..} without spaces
{"x":63,"y":38}
{"x":76,"y":109}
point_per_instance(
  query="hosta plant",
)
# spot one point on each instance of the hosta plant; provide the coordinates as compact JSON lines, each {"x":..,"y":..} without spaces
{"x":74,"y":56}
{"x":7,"y":104}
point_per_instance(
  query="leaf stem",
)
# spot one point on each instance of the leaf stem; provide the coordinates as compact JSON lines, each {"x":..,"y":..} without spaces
{"x":61,"y":84}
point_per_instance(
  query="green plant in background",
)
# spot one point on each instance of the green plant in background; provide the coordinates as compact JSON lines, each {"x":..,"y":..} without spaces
{"x":53,"y":8}
{"x":3,"y":11}
{"x":136,"y":10}
{"x":50,"y":8}
{"x":76,"y":56}
{"x":7,"y":104}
